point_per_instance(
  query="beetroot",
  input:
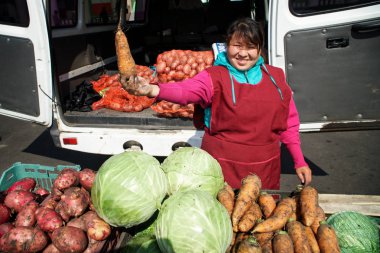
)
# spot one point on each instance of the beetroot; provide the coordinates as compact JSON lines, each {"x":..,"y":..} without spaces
{"x":47,"y":219}
{"x":23,"y":240}
{"x":66,"y":178}
{"x":17,"y":199}
{"x":5,"y":213}
{"x":86,"y":178}
{"x":73,"y":203}
{"x":26,"y":184}
{"x":70,"y":239}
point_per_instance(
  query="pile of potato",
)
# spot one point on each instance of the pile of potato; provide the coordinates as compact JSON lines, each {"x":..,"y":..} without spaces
{"x":62,"y":220}
{"x":292,"y":224}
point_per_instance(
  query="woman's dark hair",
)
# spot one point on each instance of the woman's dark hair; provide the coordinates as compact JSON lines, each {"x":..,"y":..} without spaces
{"x":246,"y":29}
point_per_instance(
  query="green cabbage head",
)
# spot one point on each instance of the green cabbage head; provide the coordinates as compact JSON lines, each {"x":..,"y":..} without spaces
{"x":190,"y":168}
{"x":128,"y":188}
{"x":193,"y":221}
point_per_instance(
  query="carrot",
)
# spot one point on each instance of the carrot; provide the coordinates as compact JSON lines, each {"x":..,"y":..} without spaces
{"x":312,"y":240}
{"x":327,"y":240}
{"x":296,"y":231}
{"x":125,"y":62}
{"x":239,"y":237}
{"x":308,"y":203}
{"x":228,"y":188}
{"x":249,"y":245}
{"x":250,"y":217}
{"x":296,"y":195}
{"x":266,"y":203}
{"x":282,"y":243}
{"x":320,"y":216}
{"x":265,"y":240}
{"x":226,"y":199}
{"x":248,"y":193}
{"x":280,"y":216}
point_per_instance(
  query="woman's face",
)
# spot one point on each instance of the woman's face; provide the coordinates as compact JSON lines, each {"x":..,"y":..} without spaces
{"x":242,"y":55}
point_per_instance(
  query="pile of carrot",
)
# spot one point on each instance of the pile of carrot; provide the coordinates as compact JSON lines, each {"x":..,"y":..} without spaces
{"x":261,"y":223}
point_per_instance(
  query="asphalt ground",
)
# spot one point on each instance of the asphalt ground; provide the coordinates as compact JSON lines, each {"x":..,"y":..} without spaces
{"x":346,"y":162}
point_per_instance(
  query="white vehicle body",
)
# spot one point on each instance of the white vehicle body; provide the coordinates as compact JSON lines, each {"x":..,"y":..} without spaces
{"x":35,"y":81}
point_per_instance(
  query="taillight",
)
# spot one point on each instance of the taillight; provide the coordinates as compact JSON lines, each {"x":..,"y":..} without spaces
{"x":70,"y":141}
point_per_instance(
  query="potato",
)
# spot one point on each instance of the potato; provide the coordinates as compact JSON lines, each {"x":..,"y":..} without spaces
{"x":5,"y":228}
{"x":17,"y":199}
{"x":66,"y":178}
{"x":26,"y":217}
{"x":73,"y":203}
{"x":47,"y":219}
{"x":23,"y":240}
{"x":70,"y":239}
{"x":86,"y":178}
{"x":51,"y":249}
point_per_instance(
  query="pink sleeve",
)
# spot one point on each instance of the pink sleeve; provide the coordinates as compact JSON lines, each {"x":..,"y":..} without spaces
{"x":198,"y":90}
{"x":291,"y":137}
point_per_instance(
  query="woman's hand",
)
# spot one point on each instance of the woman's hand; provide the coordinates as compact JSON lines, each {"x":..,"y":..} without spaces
{"x":137,"y":86}
{"x":304,"y":174}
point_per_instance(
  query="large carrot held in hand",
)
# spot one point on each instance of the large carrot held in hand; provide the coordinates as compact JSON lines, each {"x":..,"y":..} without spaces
{"x":125,"y":62}
{"x":248,"y":193}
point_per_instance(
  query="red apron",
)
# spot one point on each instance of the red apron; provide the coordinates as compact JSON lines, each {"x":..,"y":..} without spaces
{"x":244,"y":134}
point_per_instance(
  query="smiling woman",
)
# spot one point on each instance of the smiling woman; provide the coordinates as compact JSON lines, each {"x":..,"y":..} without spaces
{"x":246,"y":109}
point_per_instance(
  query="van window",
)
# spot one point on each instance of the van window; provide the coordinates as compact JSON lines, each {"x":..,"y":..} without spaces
{"x":101,"y":12}
{"x":64,"y":13}
{"x":305,"y":8}
{"x":14,"y":12}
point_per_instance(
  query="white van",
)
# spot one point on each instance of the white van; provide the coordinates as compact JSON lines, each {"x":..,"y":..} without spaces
{"x":329,"y":50}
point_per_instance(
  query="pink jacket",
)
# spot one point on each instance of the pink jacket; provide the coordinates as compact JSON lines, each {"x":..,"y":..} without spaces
{"x":199,"y":90}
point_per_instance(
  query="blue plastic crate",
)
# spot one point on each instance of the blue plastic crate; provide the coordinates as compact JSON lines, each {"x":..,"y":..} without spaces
{"x":44,"y":175}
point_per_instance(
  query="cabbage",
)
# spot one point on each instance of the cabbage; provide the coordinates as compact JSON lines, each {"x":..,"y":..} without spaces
{"x":356,"y":232}
{"x":128,"y":188}
{"x":193,"y":221}
{"x":189,"y":168}
{"x":142,"y":242}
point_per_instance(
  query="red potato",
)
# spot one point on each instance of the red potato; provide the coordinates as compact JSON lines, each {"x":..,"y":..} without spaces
{"x":5,"y":213}
{"x":26,"y":184}
{"x":41,"y":192}
{"x":48,"y":220}
{"x":55,"y":193}
{"x":66,"y":178}
{"x":86,"y":178}
{"x":70,"y":239}
{"x":73,"y":203}
{"x":17,"y":199}
{"x":94,"y":246}
{"x":26,"y":217}
{"x":96,"y":228}
{"x":51,"y":249}
{"x":23,"y":240}
{"x":5,"y":227}
{"x":49,"y":202}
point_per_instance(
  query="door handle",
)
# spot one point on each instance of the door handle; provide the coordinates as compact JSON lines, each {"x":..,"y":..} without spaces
{"x":337,"y":42}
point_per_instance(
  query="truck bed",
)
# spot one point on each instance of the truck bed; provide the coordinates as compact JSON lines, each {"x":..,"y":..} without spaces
{"x":146,"y":119}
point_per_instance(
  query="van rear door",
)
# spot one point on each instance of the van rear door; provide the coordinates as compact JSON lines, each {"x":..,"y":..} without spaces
{"x":330,"y":53}
{"x":26,"y":72}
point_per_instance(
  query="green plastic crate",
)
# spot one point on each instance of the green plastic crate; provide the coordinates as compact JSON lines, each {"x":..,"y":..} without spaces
{"x":44,"y":175}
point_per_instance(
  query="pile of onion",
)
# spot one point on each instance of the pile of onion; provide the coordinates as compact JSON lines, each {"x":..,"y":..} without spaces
{"x":178,"y":65}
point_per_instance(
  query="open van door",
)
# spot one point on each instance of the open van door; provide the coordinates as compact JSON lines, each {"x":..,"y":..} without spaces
{"x":331,"y":56}
{"x":26,"y":72}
